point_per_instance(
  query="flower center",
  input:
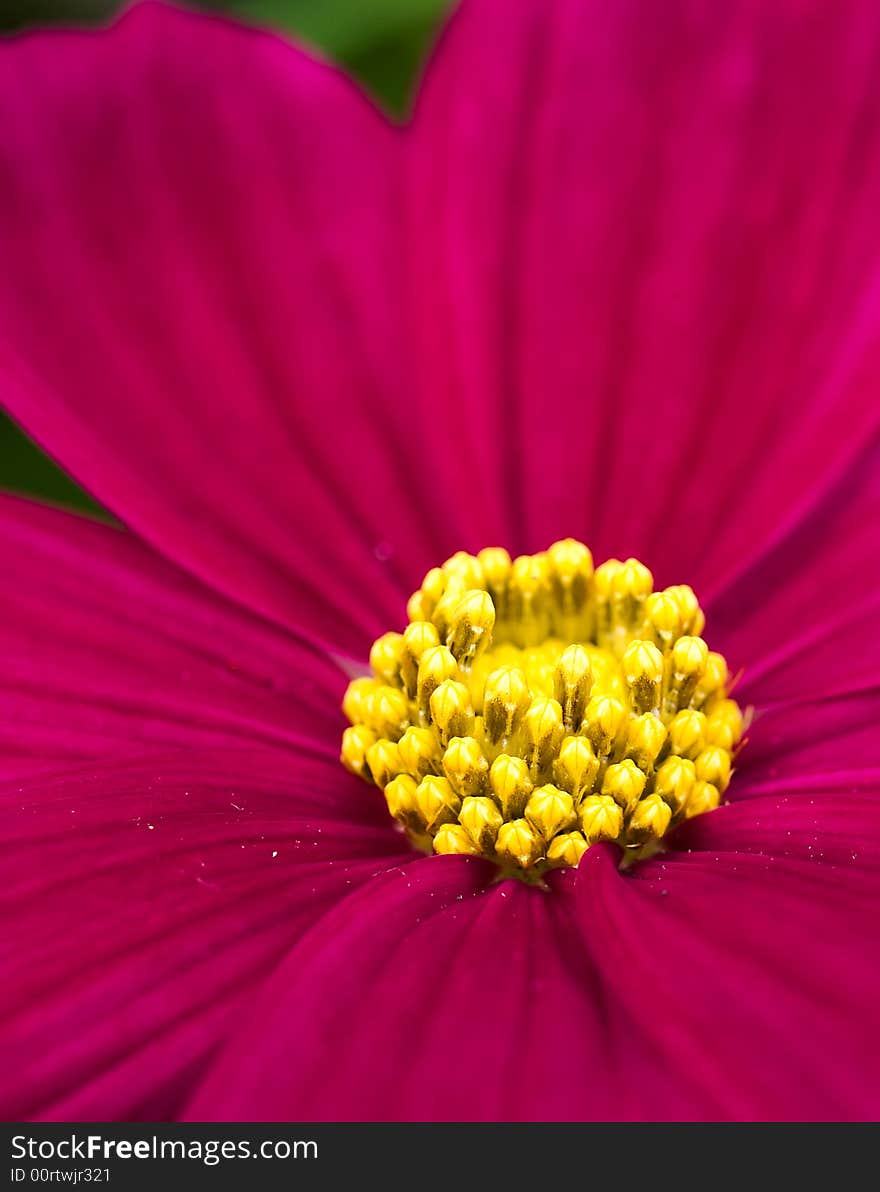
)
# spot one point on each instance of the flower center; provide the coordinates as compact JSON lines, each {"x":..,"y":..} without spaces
{"x":535,"y":706}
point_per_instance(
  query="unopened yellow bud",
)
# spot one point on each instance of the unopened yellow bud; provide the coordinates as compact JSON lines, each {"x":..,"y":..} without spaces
{"x":385,"y":656}
{"x":464,"y":569}
{"x":571,"y":571}
{"x":470,"y":627}
{"x":419,"y":752}
{"x":543,"y":732}
{"x":434,"y":584}
{"x":621,"y":594}
{"x":417,"y":638}
{"x":632,"y":580}
{"x":422,"y":603}
{"x":604,"y":720}
{"x":550,"y":810}
{"x":400,"y":795}
{"x":688,"y":664}
{"x":687,"y":733}
{"x":531,"y":572}
{"x":572,"y":682}
{"x":451,"y":710}
{"x":713,"y":765}
{"x":519,"y":844}
{"x":601,"y":818}
{"x":437,"y":665}
{"x":674,"y":781}
{"x":465,"y":765}
{"x":356,"y":740}
{"x":603,"y":584}
{"x":713,"y":682}
{"x":570,"y":561}
{"x":510,"y":784}
{"x":446,"y":606}
{"x":566,"y":849}
{"x":724,"y":725}
{"x":692,"y":618}
{"x":604,"y":578}
{"x":387,"y":712}
{"x":383,"y":760}
{"x":576,"y":767}
{"x":624,"y":782}
{"x":437,"y":802}
{"x":356,"y":701}
{"x":419,"y":607}
{"x":481,"y":819}
{"x":642,"y":666}
{"x":703,"y":797}
{"x":529,"y":599}
{"x":506,"y":699}
{"x":645,"y":737}
{"x":452,"y":839}
{"x":663,"y":618}
{"x":689,"y":656}
{"x":496,"y":564}
{"x":651,"y":817}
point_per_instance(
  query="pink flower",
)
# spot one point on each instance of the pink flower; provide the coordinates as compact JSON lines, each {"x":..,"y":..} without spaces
{"x":617,"y":278}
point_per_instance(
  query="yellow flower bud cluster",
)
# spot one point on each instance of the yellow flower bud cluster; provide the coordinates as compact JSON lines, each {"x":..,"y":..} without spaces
{"x":535,"y":706}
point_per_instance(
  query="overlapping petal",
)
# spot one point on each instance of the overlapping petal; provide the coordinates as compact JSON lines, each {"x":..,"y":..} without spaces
{"x":833,"y":821}
{"x":650,"y":233}
{"x":104,"y":645}
{"x":172,"y":811}
{"x":761,"y":976}
{"x":144,"y":901}
{"x":200,"y":310}
{"x":800,"y":626}
{"x":706,"y":986}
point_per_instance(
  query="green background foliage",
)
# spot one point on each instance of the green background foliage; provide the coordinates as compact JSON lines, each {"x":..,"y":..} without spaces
{"x":381,"y":42}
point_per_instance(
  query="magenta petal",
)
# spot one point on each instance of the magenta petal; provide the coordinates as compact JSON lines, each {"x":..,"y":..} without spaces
{"x":172,"y":811}
{"x":833,"y":821}
{"x":199,"y":310}
{"x":763,"y":982}
{"x":799,"y":622}
{"x":695,"y":990}
{"x":799,"y":625}
{"x":144,"y":901}
{"x":454,"y":1001}
{"x":407,"y":973}
{"x":809,"y":739}
{"x":652,"y":240}
{"x":105,"y":646}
